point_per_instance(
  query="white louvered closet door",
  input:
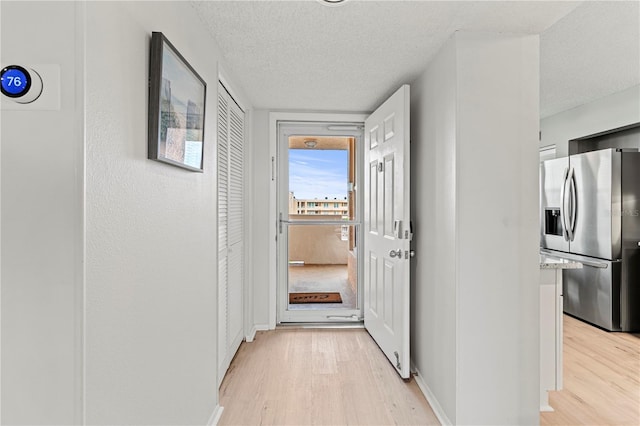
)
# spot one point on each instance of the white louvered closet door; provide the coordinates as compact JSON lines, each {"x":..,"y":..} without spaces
{"x":230,"y":228}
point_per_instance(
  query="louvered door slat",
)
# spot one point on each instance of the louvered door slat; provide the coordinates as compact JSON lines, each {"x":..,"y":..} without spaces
{"x":230,"y":227}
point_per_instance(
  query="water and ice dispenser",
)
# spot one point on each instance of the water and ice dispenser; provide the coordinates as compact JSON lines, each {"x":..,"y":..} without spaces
{"x":552,"y":222}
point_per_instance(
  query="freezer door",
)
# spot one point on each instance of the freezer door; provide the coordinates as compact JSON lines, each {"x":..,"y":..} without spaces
{"x":594,"y":198}
{"x":630,"y":213}
{"x":552,"y":218}
{"x":593,"y":293}
{"x":630,"y":290}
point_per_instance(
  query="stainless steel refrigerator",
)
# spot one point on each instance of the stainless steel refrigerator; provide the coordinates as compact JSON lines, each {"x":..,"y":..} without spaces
{"x":590,"y":212}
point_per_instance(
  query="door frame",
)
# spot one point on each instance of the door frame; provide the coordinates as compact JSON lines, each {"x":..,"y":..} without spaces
{"x":274,"y":118}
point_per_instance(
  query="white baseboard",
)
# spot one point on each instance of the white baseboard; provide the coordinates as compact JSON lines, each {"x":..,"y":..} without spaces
{"x":252,"y":333}
{"x":431,"y":398}
{"x":215,"y":416}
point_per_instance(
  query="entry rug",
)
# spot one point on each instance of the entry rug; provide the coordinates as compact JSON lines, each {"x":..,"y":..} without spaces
{"x":325,"y":297}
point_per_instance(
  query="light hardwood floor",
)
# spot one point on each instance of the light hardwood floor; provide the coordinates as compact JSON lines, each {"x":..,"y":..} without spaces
{"x":297,"y":376}
{"x":601,"y":378}
{"x":294,"y":376}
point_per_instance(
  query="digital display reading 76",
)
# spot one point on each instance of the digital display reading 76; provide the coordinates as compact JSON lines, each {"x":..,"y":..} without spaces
{"x":16,"y":81}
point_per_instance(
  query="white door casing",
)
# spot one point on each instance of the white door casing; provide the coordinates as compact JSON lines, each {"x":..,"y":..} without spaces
{"x":387,"y":230}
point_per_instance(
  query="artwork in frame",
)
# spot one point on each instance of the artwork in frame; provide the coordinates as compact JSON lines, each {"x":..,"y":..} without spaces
{"x":176,"y":107}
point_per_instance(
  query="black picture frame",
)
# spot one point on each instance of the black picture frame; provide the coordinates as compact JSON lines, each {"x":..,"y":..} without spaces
{"x":177,"y":96}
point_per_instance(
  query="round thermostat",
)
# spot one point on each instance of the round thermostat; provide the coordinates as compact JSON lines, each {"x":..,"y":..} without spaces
{"x":21,"y":84}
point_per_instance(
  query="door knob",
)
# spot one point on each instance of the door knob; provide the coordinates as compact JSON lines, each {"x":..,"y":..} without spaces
{"x":396,"y":253}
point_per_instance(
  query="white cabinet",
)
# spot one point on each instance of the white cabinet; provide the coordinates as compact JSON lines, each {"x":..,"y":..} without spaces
{"x":551,"y":325}
{"x":550,"y":334}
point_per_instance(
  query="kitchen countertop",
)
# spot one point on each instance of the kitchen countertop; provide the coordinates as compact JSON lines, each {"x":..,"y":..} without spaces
{"x":552,"y":262}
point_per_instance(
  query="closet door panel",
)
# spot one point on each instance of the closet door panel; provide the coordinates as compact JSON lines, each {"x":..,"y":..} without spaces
{"x":230,"y":228}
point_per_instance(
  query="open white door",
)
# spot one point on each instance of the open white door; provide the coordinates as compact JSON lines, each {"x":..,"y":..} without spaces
{"x":387,"y":229}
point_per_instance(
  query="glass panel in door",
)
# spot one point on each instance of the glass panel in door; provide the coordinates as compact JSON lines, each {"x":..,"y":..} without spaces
{"x":322,"y":273}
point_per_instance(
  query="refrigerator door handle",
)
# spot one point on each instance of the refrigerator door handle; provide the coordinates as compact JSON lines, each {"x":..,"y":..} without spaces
{"x":563,"y":202}
{"x":573,"y":203}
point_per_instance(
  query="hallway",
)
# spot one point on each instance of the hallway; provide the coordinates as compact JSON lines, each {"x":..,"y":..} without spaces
{"x":300,"y":376}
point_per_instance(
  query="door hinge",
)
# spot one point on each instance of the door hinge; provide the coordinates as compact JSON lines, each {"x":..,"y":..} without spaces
{"x":380,"y":167}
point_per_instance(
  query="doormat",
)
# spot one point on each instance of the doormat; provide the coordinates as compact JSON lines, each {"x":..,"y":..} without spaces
{"x":325,"y":297}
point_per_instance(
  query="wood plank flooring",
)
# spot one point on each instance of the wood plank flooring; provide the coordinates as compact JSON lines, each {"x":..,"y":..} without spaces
{"x":301,"y":376}
{"x":297,"y":376}
{"x":601,"y":378}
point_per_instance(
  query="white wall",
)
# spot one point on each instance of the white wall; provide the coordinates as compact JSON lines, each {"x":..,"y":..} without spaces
{"x":498,"y":215}
{"x":41,"y":230}
{"x":108,"y":259}
{"x":261,"y":248}
{"x":151,"y":287}
{"x":476,"y":121}
{"x":613,"y":111}
{"x":433,"y":204}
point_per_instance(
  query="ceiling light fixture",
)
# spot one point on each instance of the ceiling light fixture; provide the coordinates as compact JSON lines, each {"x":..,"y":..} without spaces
{"x":311,"y":143}
{"x":333,"y":2}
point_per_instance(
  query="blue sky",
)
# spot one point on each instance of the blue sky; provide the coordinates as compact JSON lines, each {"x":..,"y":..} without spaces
{"x":318,"y":173}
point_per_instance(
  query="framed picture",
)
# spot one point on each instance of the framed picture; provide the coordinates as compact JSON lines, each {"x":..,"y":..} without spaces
{"x":176,"y":107}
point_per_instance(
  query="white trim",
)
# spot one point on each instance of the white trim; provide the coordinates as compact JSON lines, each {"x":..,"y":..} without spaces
{"x":215,"y":416}
{"x":251,"y":334}
{"x":81,"y":271}
{"x":431,"y":398}
{"x":273,"y":209}
{"x":274,"y":117}
{"x":263,"y":327}
{"x":248,"y":284}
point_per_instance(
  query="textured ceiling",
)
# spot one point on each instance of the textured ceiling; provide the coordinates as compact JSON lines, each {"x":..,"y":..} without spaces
{"x":592,"y":52}
{"x":302,"y":55}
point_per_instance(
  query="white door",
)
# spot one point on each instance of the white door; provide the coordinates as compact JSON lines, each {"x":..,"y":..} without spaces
{"x":319,"y":220}
{"x":230,"y":228}
{"x":387,"y":229}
